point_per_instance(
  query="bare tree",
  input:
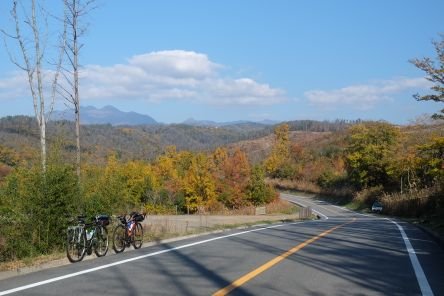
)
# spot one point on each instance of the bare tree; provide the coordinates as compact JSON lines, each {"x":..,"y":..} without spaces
{"x":75,"y":11}
{"x":31,"y":25}
{"x":435,"y":74}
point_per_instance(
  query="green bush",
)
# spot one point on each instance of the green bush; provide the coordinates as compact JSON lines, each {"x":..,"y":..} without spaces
{"x":259,"y":192}
{"x":35,"y":210}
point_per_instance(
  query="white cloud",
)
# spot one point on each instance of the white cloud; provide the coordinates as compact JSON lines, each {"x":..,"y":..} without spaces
{"x":164,"y":75}
{"x":175,"y":63}
{"x":175,"y":75}
{"x":14,"y":86}
{"x":365,"y":96}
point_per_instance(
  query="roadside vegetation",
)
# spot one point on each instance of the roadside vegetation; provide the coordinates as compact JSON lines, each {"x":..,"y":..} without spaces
{"x":402,"y":167}
{"x":35,"y":208}
{"x":369,"y":161}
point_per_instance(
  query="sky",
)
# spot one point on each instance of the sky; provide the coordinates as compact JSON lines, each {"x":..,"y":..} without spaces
{"x":245,"y":60}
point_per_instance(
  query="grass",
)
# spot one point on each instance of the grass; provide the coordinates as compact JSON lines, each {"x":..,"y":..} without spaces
{"x":31,"y":261}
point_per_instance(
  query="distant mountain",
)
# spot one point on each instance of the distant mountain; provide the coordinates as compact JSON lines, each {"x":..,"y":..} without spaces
{"x":209,"y":123}
{"x":105,"y":115}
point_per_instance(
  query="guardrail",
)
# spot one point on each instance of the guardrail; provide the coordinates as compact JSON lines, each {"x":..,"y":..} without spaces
{"x":305,"y":213}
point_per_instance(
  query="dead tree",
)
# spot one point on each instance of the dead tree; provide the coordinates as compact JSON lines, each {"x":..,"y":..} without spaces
{"x":75,"y":11}
{"x":31,"y":25}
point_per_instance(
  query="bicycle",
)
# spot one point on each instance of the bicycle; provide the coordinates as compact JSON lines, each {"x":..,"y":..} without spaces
{"x":128,"y":232}
{"x":84,"y":238}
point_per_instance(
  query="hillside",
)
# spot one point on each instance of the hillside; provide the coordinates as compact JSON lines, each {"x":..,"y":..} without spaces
{"x":258,"y":149}
{"x":20,"y":134}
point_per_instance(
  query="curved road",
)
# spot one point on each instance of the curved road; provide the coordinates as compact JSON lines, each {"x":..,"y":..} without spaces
{"x":344,"y":253}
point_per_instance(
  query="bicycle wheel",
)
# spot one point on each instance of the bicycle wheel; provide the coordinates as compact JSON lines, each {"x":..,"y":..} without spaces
{"x":119,"y":238}
{"x":76,"y":244}
{"x":101,"y":243}
{"x":137,"y":236}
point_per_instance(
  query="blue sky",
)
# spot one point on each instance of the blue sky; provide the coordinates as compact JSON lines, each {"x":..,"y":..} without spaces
{"x":249,"y":60}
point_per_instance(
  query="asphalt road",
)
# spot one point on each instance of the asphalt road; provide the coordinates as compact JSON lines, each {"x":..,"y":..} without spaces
{"x":343,"y":254}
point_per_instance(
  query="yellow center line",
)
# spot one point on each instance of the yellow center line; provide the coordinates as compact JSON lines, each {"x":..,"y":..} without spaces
{"x":252,"y":274}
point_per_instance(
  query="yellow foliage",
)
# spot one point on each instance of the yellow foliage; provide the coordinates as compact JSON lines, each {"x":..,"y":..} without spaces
{"x":199,"y":185}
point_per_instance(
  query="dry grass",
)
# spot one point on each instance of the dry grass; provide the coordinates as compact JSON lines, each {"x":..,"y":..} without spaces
{"x":32,"y":262}
{"x":281,"y":206}
{"x":159,"y":227}
{"x":295,"y":185}
{"x":412,"y":204}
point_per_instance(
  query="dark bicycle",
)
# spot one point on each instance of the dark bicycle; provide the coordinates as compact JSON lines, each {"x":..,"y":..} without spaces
{"x":84,"y":238}
{"x":128,"y":232}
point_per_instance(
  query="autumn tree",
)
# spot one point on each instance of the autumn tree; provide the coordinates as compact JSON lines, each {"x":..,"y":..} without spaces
{"x":277,"y":164}
{"x":431,"y":161}
{"x":199,"y":184}
{"x":234,"y":179}
{"x":370,"y":153}
{"x":140,"y":183}
{"x":435,"y":74}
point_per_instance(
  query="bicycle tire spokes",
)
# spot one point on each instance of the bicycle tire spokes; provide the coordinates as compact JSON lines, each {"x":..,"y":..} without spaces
{"x":137,"y":236}
{"x":119,"y":238}
{"x":76,"y":244}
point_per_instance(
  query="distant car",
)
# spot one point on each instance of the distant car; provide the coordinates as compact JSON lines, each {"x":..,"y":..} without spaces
{"x":377,"y":207}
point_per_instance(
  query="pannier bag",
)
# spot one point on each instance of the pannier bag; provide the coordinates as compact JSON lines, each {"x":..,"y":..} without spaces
{"x":103,"y":220}
{"x":138,"y":217}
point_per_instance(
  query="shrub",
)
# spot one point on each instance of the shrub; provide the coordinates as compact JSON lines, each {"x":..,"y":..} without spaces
{"x":259,"y":192}
{"x":369,"y":195}
{"x":36,"y":209}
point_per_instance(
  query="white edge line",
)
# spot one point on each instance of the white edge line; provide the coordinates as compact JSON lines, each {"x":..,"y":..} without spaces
{"x":420,"y":276}
{"x":70,"y":275}
{"x":319,"y":213}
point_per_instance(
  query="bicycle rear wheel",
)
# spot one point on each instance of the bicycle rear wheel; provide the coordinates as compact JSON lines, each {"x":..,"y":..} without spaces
{"x":138,"y":236}
{"x":76,"y":244}
{"x":101,"y":246}
{"x":119,"y":238}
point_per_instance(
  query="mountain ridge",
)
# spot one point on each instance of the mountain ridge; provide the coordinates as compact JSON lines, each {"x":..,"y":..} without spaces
{"x":112,"y":115}
{"x":105,"y":115}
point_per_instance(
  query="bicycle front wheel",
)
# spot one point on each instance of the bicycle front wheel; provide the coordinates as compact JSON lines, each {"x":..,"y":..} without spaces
{"x":76,"y":244}
{"x":119,"y":238}
{"x":138,"y":236}
{"x":101,"y":247}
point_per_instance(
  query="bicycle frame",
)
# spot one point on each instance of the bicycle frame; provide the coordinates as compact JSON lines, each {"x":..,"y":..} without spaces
{"x":84,"y":238}
{"x":128,"y":231}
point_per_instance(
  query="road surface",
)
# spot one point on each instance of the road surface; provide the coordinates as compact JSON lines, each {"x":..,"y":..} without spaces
{"x":344,"y":253}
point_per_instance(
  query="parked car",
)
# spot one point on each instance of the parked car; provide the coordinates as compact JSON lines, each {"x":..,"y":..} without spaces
{"x":377,"y":207}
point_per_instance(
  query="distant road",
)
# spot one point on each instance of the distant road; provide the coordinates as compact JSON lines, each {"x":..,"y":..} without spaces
{"x":346,"y":254}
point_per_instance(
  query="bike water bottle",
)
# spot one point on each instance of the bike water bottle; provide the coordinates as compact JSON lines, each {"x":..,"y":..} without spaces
{"x":89,"y":234}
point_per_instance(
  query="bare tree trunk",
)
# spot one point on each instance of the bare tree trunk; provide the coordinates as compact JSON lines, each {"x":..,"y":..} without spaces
{"x":75,"y":10}
{"x":78,"y":144}
{"x":32,"y":63}
{"x":76,"y":81}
